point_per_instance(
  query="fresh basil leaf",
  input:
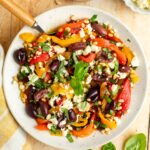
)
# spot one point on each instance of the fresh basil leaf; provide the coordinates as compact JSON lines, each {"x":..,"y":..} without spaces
{"x":116,"y":68}
{"x":93,"y":19}
{"x":109,"y":146}
{"x":69,"y":137}
{"x":136,"y":142}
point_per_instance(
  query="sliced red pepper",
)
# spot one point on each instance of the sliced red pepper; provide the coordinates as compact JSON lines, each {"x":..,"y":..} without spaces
{"x":41,"y":58}
{"x":124,"y":94}
{"x":75,"y":28}
{"x":42,"y":127}
{"x":47,"y":77}
{"x":88,"y":58}
{"x":41,"y":121}
{"x":106,"y":44}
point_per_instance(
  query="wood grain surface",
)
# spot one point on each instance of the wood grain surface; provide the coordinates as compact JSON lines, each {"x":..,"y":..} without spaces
{"x":138,"y":24}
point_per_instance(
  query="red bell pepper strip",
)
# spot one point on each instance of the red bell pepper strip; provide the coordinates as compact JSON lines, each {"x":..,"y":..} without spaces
{"x":106,"y":44}
{"x":41,"y":127}
{"x":47,"y":77}
{"x":75,"y":28}
{"x":41,"y":58}
{"x":85,"y":131}
{"x":41,"y":121}
{"x":125,"y":94}
{"x":88,"y":58}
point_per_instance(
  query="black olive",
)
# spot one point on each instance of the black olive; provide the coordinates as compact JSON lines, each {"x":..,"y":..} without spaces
{"x":54,"y":65}
{"x":20,"y":56}
{"x":43,"y":108}
{"x":124,"y":68}
{"x":39,"y":94}
{"x":72,"y":115}
{"x":31,"y":110}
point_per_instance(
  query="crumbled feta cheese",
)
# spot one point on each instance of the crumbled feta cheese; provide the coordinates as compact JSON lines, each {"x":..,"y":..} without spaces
{"x":59,"y":49}
{"x":48,"y":117}
{"x":67,"y":104}
{"x":78,"y":99}
{"x":32,"y":67}
{"x":82,"y":33}
{"x":69,"y":127}
{"x":24,"y":69}
{"x":52,"y":100}
{"x":64,"y":131}
{"x":114,"y":88}
{"x":122,"y":75}
{"x":86,"y":108}
{"x":91,"y":64}
{"x":95,"y":48}
{"x":32,"y":78}
{"x":54,"y":121}
{"x":87,"y":50}
{"x":118,"y":121}
{"x":118,"y":44}
{"x":61,"y":58}
{"x":88,"y":79}
{"x":108,"y":71}
{"x":79,"y":52}
{"x":111,"y":64}
{"x":49,"y":125}
{"x":89,"y":28}
{"x":135,"y":62}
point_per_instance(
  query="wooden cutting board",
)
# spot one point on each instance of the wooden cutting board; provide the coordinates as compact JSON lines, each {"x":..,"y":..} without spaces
{"x":138,"y":24}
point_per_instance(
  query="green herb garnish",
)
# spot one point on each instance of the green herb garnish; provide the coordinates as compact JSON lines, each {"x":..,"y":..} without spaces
{"x":93,"y":19}
{"x":69,"y":137}
{"x":108,"y":99}
{"x":116,"y":68}
{"x":65,"y":111}
{"x":128,"y":40}
{"x":40,"y":84}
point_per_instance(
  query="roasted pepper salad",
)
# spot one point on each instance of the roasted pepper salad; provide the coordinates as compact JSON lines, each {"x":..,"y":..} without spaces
{"x":77,"y":79}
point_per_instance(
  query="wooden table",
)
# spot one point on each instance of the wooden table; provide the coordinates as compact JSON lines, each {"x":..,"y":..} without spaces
{"x":138,"y":24}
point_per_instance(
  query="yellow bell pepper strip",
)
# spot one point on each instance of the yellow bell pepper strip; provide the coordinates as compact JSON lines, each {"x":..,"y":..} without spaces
{"x":110,"y":124}
{"x":81,"y":121}
{"x":106,"y":44}
{"x":66,"y":42}
{"x":27,"y":37}
{"x":103,"y":89}
{"x":85,"y":131}
{"x":129,"y":54}
{"x":67,"y":55}
{"x":104,"y":103}
{"x":40,"y":71}
{"x":134,"y":77}
{"x":43,"y":38}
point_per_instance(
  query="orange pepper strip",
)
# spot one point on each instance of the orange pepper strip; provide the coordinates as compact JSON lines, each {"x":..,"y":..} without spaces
{"x":106,"y":44}
{"x":42,"y":127}
{"x":85,"y":131}
{"x":110,"y":124}
{"x":41,"y":121}
{"x":88,"y":58}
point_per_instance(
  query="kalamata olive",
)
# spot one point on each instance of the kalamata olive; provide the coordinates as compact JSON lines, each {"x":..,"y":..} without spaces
{"x":96,"y":98}
{"x":92,"y":93}
{"x":98,"y":55}
{"x":30,"y":93}
{"x":43,"y":108}
{"x":77,"y":46}
{"x":99,"y":29}
{"x":54,"y":65}
{"x":20,"y":56}
{"x":99,"y":78}
{"x":31,"y":110}
{"x":72,"y":115}
{"x":124,"y":68}
{"x":39,"y":94}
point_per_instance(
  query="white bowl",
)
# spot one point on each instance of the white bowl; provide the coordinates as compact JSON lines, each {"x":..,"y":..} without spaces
{"x":50,"y":20}
{"x":135,"y":8}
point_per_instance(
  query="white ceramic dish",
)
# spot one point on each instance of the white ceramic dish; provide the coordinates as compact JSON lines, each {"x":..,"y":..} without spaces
{"x":135,"y":8}
{"x":1,"y":62}
{"x":49,"y":20}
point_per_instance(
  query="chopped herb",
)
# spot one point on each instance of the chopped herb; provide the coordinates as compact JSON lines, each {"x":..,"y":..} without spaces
{"x":69,"y":137}
{"x":128,"y":40}
{"x":113,"y":42}
{"x":99,"y":68}
{"x":114,"y":92}
{"x":78,"y":129}
{"x":93,"y":19}
{"x":83,"y":105}
{"x":22,"y":75}
{"x":108,"y":99}
{"x":116,"y":68}
{"x":66,"y":32}
{"x":46,"y":48}
{"x":75,"y":58}
{"x":50,"y":95}
{"x":65,"y":111}
{"x":39,"y":116}
{"x":53,"y":129}
{"x":88,"y":43}
{"x":107,"y":51}
{"x":40,"y":84}
{"x":105,"y":25}
{"x":96,"y":103}
{"x":134,"y":68}
{"x":99,"y":124}
{"x":112,"y":80}
{"x":109,"y":146}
